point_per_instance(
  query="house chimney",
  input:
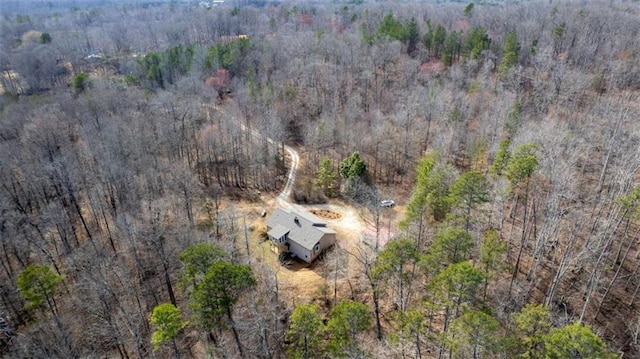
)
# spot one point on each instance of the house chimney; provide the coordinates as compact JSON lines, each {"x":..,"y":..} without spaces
{"x":295,"y":219}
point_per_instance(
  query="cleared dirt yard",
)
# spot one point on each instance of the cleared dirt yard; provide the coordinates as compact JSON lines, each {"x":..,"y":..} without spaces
{"x":302,"y":282}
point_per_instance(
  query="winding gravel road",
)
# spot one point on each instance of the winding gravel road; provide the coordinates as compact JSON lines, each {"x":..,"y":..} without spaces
{"x":291,"y":177}
{"x":283,"y":197}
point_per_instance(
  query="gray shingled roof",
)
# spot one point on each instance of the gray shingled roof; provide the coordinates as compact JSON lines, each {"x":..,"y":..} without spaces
{"x":306,"y":232}
{"x":278,"y":231}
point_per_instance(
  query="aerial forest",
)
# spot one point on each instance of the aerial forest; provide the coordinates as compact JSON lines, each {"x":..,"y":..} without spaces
{"x":478,"y":161}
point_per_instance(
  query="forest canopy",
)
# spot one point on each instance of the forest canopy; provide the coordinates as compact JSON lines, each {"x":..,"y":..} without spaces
{"x":143,"y":142}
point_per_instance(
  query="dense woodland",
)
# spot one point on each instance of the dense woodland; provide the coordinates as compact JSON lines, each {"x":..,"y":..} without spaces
{"x":504,"y":132}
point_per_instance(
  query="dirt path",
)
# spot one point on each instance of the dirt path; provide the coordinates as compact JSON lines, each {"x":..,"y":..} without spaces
{"x":291,"y":177}
{"x":283,"y":197}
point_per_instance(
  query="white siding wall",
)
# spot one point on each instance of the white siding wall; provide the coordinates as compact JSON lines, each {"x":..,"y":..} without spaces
{"x":327,"y":241}
{"x":300,"y":251}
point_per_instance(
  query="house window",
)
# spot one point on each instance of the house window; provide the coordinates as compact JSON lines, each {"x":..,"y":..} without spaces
{"x":317,"y":247}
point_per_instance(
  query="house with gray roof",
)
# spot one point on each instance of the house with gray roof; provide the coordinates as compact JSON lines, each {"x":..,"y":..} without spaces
{"x":300,"y":233}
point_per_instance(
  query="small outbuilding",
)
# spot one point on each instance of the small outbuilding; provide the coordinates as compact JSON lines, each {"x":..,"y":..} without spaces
{"x":300,"y":233}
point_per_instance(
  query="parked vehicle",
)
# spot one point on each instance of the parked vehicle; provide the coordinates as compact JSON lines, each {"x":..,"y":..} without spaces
{"x":387,"y":203}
